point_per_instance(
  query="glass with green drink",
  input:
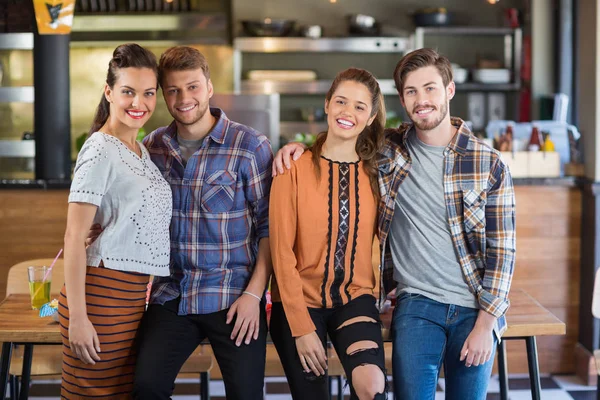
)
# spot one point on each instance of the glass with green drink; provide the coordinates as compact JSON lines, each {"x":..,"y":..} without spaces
{"x":40,"y":279}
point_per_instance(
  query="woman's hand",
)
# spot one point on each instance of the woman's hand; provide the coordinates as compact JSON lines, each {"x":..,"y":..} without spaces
{"x":83,"y":340}
{"x":312,"y":354}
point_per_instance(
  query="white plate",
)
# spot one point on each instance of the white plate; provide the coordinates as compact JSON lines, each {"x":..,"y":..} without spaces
{"x":489,"y":75}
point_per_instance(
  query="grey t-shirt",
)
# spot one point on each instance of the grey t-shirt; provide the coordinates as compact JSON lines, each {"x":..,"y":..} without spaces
{"x":425,"y":261}
{"x":188,"y":147}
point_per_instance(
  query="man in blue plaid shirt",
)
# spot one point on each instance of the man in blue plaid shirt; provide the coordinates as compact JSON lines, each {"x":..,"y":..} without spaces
{"x":219,"y":172}
{"x":447,"y":233}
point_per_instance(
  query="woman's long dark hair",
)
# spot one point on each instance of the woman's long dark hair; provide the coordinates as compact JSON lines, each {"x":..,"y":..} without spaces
{"x":371,"y":139}
{"x":125,"y":56}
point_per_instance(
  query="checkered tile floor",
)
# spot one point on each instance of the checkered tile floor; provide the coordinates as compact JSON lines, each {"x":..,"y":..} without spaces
{"x":558,"y":387}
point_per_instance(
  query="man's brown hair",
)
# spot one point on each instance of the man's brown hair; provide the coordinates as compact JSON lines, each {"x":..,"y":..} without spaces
{"x":182,"y":58}
{"x":418,"y":59}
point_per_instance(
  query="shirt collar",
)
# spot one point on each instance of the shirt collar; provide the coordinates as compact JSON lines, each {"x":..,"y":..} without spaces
{"x":460,"y":141}
{"x":170,"y":138}
{"x":389,"y":155}
{"x":217,"y":133}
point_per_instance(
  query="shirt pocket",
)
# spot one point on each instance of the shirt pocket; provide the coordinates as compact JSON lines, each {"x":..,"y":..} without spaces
{"x":474,"y":202}
{"x":218,"y":191}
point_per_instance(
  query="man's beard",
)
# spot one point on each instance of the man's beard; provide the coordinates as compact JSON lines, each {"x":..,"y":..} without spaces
{"x":427,"y":125}
{"x":197,"y":117}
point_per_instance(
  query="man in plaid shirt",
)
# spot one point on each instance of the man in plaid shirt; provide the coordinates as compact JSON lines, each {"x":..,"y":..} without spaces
{"x":219,"y":172}
{"x":447,"y":231}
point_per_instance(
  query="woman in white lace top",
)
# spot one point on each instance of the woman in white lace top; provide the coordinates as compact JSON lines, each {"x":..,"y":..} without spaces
{"x":116,"y":185}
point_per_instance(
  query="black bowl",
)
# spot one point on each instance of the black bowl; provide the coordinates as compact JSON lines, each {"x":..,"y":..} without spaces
{"x":269,"y":27}
{"x":432,"y":18}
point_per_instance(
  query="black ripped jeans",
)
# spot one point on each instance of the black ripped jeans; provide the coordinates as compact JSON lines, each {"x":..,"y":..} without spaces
{"x":328,"y":321}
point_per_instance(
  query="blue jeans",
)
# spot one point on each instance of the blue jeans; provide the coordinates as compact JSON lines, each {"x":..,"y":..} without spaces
{"x":425,"y":334}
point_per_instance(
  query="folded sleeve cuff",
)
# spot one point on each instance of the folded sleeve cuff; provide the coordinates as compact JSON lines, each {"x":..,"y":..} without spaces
{"x":493,"y":304}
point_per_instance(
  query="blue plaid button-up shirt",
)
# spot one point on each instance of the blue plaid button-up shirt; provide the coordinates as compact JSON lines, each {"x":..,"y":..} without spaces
{"x":480,"y":204}
{"x":220,"y":212}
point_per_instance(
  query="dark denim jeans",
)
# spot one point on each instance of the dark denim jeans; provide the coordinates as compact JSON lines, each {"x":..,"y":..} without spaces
{"x":427,"y":334}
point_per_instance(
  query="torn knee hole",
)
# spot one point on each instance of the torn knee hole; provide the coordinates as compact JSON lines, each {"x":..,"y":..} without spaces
{"x":355,"y":320}
{"x":371,"y":378}
{"x":362,"y":345}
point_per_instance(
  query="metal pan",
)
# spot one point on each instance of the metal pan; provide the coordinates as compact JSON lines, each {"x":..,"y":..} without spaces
{"x":269,"y":27}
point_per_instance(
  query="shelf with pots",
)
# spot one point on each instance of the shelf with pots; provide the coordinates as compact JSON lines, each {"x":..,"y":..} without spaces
{"x":294,"y":87}
{"x":325,"y":45}
{"x":503,"y":75}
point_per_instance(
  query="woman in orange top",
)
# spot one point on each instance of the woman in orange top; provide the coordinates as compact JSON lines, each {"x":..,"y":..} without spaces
{"x":322,"y":218}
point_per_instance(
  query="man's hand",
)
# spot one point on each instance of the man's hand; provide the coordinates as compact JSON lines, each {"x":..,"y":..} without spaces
{"x":312,"y":354}
{"x":95,"y":231}
{"x":291,"y":151}
{"x":247,"y":320}
{"x":478,"y":347}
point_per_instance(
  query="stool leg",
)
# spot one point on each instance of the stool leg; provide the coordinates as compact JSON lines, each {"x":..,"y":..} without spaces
{"x":502,"y":370}
{"x":204,"y":384}
{"x":534,"y":369}
{"x":13,"y":382}
{"x":7,"y":348}
{"x":26,"y":374}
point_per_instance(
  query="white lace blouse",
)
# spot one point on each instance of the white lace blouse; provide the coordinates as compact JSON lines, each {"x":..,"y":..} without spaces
{"x":134,"y":206}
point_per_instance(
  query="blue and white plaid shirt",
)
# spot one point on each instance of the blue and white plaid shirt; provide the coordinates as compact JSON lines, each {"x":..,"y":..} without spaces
{"x":220,"y":212}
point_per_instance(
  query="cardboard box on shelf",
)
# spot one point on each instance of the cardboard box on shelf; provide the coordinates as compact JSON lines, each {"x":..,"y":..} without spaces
{"x":518,"y":163}
{"x":544,"y":164}
{"x":532,"y":164}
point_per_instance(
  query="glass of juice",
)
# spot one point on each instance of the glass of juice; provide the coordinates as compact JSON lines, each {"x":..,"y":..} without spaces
{"x":39,"y":289}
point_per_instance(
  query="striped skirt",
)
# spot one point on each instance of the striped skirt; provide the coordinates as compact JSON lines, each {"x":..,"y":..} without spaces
{"x":116,"y":301}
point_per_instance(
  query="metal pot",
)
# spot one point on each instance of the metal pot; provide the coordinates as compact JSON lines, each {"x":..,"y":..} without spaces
{"x":364,"y":25}
{"x":269,"y":27}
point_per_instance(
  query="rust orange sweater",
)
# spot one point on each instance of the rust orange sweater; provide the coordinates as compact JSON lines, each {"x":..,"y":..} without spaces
{"x":321,"y":235}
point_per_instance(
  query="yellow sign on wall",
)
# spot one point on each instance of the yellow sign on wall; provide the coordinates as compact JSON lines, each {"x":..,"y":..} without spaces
{"x":54,"y":17}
